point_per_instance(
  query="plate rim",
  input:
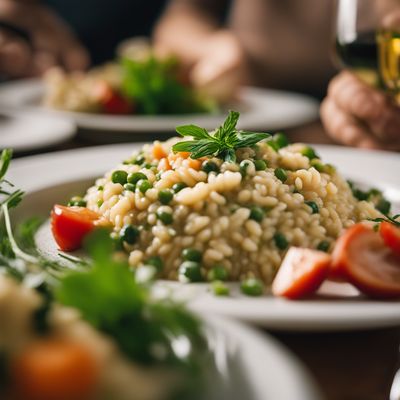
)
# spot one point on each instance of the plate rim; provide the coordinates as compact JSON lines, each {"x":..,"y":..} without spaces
{"x":308,"y":105}
{"x":387,"y":314}
{"x":301,"y":385}
{"x":66,"y":130}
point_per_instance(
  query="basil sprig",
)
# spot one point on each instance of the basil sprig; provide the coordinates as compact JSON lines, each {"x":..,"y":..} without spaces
{"x":222,"y":143}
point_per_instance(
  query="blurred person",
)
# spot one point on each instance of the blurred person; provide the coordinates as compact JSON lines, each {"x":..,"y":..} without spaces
{"x":282,"y":44}
{"x":357,"y":114}
{"x":35,"y":34}
{"x":277,"y":44}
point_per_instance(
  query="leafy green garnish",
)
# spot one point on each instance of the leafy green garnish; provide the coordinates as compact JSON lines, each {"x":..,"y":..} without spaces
{"x":155,"y":87}
{"x":146,"y":330}
{"x":393,"y":220}
{"x":223,"y":143}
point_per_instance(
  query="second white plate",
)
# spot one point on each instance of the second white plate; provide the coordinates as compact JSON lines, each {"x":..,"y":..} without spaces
{"x":260,"y":109}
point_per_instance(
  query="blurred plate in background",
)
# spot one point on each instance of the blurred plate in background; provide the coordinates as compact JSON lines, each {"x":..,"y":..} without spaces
{"x":260,"y":109}
{"x":29,"y":131}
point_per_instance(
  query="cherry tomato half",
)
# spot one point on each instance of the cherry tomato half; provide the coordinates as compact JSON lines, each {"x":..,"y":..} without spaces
{"x":390,"y":235}
{"x":301,"y":273}
{"x":111,"y":101}
{"x":71,"y":224}
{"x":363,"y":258}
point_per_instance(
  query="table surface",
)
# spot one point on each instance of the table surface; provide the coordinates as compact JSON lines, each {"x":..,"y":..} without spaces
{"x":357,"y":365}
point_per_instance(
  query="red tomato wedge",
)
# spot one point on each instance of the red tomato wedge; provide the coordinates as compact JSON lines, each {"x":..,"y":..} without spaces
{"x":111,"y":101}
{"x":390,"y":235}
{"x":301,"y":273}
{"x":71,"y":224}
{"x":362,"y":257}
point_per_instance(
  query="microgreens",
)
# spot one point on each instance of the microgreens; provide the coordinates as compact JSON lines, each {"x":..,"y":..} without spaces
{"x":395,"y":220}
{"x":222,"y":143}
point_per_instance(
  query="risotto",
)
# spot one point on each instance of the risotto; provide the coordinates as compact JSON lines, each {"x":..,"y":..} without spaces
{"x":242,"y":215}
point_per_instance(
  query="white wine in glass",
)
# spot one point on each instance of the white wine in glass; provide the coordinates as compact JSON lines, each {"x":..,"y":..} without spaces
{"x":368,"y":41}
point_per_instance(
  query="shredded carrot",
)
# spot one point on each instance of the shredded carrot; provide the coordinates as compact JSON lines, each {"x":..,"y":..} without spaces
{"x":158,"y":151}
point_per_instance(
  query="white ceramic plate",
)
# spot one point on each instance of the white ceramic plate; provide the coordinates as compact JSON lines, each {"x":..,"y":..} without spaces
{"x":28,"y":131}
{"x":256,"y":366}
{"x":55,"y":177}
{"x":260,"y":109}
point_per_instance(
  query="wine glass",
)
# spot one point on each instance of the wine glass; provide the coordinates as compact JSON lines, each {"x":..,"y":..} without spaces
{"x":368,"y":42}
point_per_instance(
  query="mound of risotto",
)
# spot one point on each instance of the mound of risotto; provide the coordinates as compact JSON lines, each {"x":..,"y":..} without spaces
{"x":230,"y":199}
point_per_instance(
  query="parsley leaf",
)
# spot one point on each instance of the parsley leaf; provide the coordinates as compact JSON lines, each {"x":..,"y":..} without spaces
{"x":223,"y":143}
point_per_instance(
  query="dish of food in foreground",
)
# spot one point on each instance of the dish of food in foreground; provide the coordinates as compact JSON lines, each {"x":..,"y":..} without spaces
{"x":337,"y":305}
{"x":226,"y":206}
{"x":98,"y":332}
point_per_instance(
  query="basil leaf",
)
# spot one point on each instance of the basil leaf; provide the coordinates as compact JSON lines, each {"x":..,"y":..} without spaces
{"x":193,"y":130}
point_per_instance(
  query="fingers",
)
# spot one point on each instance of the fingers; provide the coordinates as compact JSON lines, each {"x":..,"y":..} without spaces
{"x":15,"y":55}
{"x":354,"y":96}
{"x":392,"y":20}
{"x":387,"y":125}
{"x":51,"y":38}
{"x":55,"y":37}
{"x":344,"y":128}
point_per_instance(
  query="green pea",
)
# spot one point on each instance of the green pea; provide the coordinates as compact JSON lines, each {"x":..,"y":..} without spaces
{"x":281,"y":174}
{"x":144,"y":185}
{"x":317,"y":165}
{"x":147,"y":165}
{"x":100,"y":188}
{"x":209,"y":166}
{"x":136,"y":177}
{"x":139,"y":159}
{"x":178,"y":187}
{"x":252,"y":287}
{"x":190,"y":271}
{"x":383,"y":206}
{"x":281,"y":140}
{"x":77,"y":201}
{"x":156,"y":262}
{"x":119,"y":176}
{"x":218,"y":273}
{"x":190,"y":254}
{"x":165,"y":218}
{"x":274,"y":146}
{"x":260,"y":165}
{"x":309,"y":152}
{"x":323,"y":246}
{"x":256,"y":213}
{"x":129,"y":234}
{"x":313,"y":206}
{"x":165,"y":196}
{"x":220,"y":289}
{"x":330,"y":169}
{"x":281,"y":241}
{"x":130,"y":187}
{"x":243,"y":167}
{"x":100,"y":203}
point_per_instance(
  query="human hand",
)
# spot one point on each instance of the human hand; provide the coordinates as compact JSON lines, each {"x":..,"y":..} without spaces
{"x":356,"y":114}
{"x":220,"y":66}
{"x":51,"y":42}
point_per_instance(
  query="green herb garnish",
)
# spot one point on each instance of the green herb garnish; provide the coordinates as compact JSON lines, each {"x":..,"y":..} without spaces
{"x":393,"y":220}
{"x":223,"y":143}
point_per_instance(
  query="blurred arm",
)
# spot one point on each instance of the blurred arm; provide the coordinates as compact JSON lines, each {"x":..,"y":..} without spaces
{"x":186,"y":25}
